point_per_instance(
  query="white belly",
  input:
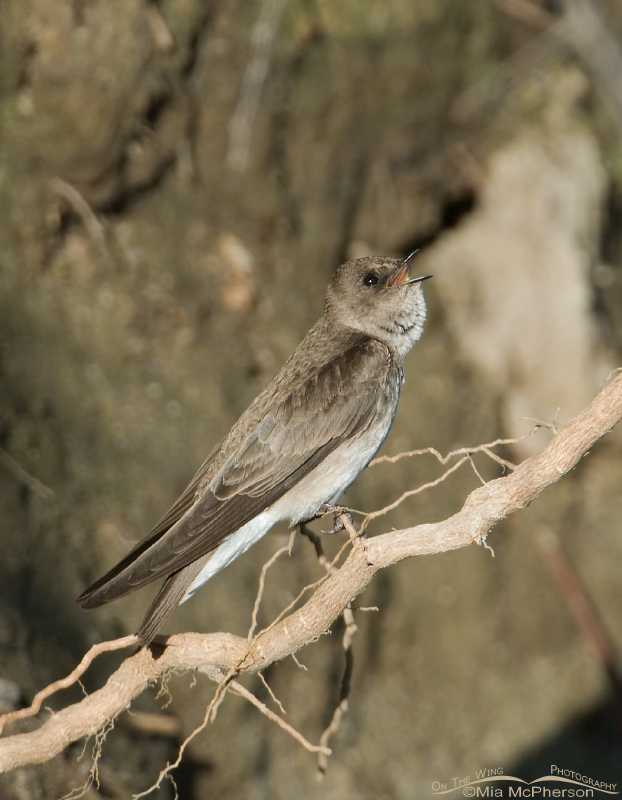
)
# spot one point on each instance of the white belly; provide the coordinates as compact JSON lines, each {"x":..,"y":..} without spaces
{"x":325,"y":484}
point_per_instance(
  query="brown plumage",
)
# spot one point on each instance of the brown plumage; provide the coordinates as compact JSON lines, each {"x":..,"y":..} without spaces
{"x":299,"y":444}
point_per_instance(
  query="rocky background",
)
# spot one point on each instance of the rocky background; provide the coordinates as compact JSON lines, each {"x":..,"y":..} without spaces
{"x":178,"y":181}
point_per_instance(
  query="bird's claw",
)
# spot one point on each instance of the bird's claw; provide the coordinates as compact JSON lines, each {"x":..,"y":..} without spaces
{"x":337,"y":512}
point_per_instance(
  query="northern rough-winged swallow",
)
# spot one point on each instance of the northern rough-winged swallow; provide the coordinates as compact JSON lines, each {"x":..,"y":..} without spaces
{"x":298,"y":446}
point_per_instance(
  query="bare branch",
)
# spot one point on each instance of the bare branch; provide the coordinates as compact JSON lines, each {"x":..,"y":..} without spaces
{"x":221,"y":655}
{"x":262,"y":581}
{"x":243,"y":120}
{"x":576,"y":600}
{"x":411,"y":492}
{"x":314,"y":748}
{"x":64,"y":683}
{"x":463,"y":451}
{"x":275,"y":699}
{"x":24,"y":477}
{"x":342,"y":707}
{"x":79,"y":205}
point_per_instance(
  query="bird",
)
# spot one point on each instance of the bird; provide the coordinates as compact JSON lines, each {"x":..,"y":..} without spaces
{"x":297,"y":447}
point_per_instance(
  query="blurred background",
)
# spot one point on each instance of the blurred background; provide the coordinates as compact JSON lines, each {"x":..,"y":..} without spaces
{"x":178,"y":181}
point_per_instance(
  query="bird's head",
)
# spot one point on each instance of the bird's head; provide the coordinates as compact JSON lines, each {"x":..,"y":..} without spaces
{"x":378,"y":297}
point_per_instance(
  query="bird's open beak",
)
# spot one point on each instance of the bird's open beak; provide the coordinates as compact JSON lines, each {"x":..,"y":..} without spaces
{"x":402,"y":274}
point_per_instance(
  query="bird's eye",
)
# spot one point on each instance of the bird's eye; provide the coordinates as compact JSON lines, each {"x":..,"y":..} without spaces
{"x":371,"y":279}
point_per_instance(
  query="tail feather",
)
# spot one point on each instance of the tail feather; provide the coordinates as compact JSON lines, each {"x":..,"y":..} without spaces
{"x":168,"y":598}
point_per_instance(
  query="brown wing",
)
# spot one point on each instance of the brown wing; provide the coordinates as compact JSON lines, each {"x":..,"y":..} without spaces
{"x":337,"y":402}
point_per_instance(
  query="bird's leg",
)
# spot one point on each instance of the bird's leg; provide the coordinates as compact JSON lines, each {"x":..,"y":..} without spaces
{"x":343,"y":521}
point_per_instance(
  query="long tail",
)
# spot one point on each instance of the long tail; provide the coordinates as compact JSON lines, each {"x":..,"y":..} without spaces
{"x":168,"y":598}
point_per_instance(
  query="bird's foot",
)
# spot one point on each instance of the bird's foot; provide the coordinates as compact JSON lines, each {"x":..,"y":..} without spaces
{"x":342,"y":518}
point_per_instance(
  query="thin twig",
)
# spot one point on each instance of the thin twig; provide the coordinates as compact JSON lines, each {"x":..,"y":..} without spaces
{"x":93,"y":226}
{"x":64,"y":683}
{"x":23,"y":476}
{"x":410,"y":493}
{"x":465,"y":452}
{"x":275,"y":699}
{"x":166,"y":772}
{"x":576,"y":600}
{"x":316,"y":541}
{"x":209,"y":716}
{"x":476,"y":471}
{"x":262,"y":581}
{"x":330,"y":570}
{"x":552,"y":426}
{"x":342,"y":707}
{"x":527,"y":12}
{"x":243,"y":120}
{"x":350,"y":630}
{"x":314,"y":748}
{"x":462,"y":451}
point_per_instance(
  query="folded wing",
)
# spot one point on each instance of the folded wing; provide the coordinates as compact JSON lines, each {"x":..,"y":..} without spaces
{"x":287,"y":440}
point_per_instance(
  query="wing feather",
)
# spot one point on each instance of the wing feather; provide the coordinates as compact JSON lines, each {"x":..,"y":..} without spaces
{"x":246,"y":475}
